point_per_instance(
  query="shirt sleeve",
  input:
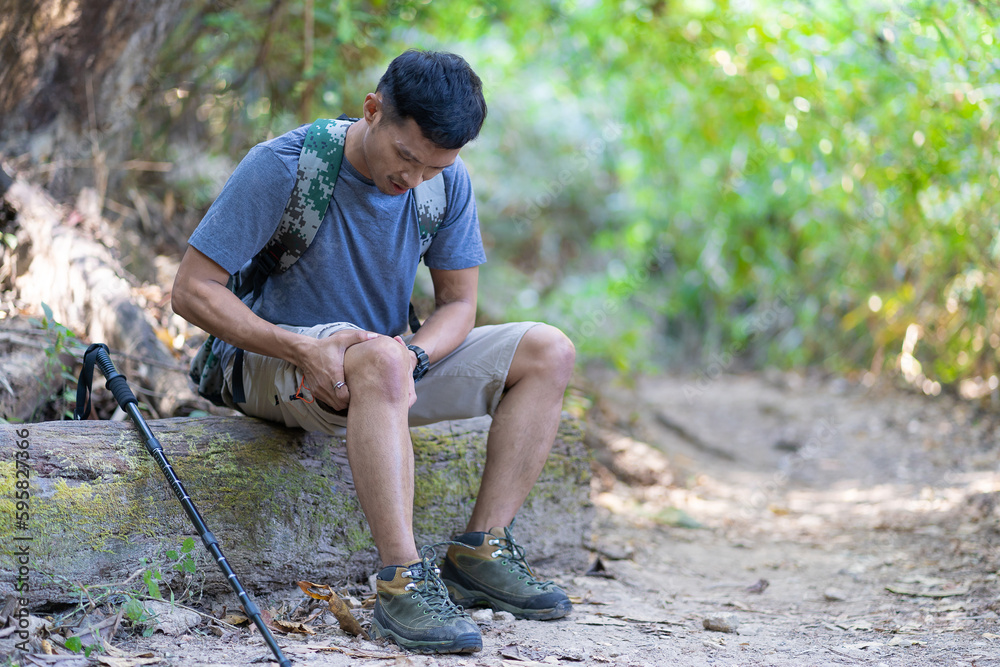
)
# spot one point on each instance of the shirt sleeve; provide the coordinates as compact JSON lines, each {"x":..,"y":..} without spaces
{"x":458,"y":243}
{"x":247,"y":211}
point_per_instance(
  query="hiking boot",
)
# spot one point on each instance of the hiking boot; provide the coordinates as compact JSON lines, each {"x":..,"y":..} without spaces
{"x":412,"y":609}
{"x":492,"y":572}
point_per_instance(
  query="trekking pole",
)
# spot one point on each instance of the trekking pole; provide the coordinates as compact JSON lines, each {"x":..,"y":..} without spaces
{"x":126,"y":399}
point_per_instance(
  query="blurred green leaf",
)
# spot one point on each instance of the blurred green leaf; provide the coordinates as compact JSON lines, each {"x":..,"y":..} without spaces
{"x":672,"y":516}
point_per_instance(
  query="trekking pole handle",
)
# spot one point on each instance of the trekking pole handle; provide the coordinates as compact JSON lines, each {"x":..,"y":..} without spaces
{"x":117,"y":383}
{"x":105,"y":364}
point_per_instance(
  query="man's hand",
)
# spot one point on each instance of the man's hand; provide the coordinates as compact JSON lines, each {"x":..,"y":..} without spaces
{"x":323,"y":366}
{"x":412,"y":357}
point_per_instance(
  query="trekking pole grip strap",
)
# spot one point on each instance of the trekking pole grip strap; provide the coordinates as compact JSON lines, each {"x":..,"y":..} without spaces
{"x":117,"y":383}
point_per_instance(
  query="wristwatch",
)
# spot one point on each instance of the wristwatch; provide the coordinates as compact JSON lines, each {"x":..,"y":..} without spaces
{"x":422,"y":362}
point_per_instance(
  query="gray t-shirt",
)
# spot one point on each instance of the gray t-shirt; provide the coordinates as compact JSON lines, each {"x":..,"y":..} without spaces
{"x":361,"y":266}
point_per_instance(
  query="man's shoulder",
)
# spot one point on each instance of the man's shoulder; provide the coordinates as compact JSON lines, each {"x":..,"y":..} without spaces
{"x":457,"y":182}
{"x":286,"y":146}
{"x":456,"y":169}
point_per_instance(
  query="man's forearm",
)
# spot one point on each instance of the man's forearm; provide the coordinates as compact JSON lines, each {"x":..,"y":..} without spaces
{"x":212,"y":307}
{"x":445,"y":329}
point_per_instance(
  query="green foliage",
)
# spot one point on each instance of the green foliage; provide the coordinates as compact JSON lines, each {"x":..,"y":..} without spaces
{"x":136,"y":613}
{"x":781,"y":163}
{"x":75,"y":644}
{"x":150,"y":576}
{"x":61,"y":345}
{"x":60,"y":342}
{"x":784,"y":181}
{"x":183,"y":561}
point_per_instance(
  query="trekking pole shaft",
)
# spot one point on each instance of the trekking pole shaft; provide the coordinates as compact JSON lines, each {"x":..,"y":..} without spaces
{"x":128,"y":403}
{"x":155,"y":450}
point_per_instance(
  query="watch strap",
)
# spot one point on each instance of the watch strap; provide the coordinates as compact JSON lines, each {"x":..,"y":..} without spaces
{"x":423,"y":363}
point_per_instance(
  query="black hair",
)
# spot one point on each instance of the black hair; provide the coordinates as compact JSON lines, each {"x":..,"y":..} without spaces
{"x":437,"y":90}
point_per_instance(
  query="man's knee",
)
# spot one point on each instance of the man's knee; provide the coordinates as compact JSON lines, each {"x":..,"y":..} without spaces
{"x":380,"y":362}
{"x":550,"y":350}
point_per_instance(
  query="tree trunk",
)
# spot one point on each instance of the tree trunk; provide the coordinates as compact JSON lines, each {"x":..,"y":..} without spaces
{"x":72,"y":74}
{"x":280,"y":501}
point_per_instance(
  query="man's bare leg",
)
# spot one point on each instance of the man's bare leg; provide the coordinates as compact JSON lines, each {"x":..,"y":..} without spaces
{"x":379,"y":449}
{"x":380,"y":452}
{"x":524,"y":426}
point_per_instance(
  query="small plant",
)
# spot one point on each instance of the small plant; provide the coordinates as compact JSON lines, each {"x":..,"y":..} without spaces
{"x":75,"y":644}
{"x":60,"y":344}
{"x":149,"y":577}
{"x":184,"y":561}
{"x":137,"y":614}
{"x":129,"y":595}
{"x":180,"y":560}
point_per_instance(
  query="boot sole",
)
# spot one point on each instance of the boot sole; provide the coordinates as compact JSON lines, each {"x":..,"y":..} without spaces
{"x":466,"y":599}
{"x":467,"y":643}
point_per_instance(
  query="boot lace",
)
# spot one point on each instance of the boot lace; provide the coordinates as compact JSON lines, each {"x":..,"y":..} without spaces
{"x":512,"y":554}
{"x":426,"y":585}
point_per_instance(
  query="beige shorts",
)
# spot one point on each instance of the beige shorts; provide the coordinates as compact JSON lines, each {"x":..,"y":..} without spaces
{"x":467,"y":383}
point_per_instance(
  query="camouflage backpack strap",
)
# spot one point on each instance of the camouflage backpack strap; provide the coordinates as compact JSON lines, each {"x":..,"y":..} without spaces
{"x":432,"y":203}
{"x":319,"y":165}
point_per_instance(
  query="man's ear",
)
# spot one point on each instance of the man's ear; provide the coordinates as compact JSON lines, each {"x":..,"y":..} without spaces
{"x":372,"y":107}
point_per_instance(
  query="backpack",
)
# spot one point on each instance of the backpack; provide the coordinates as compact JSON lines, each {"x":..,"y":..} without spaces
{"x":319,"y":165}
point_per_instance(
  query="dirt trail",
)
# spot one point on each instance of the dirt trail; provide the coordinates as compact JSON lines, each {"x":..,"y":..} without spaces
{"x":814,"y":499}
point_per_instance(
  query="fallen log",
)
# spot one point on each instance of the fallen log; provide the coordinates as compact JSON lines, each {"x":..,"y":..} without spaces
{"x":83,"y":284}
{"x":280,"y":501}
{"x":27,"y":381}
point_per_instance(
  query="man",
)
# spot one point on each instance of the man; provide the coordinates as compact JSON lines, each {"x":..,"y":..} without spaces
{"x":323,"y":349}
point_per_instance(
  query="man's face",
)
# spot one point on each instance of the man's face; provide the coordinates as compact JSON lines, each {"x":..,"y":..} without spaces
{"x":398,"y":156}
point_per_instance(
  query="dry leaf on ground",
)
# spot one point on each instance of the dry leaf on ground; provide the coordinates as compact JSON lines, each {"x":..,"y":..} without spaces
{"x":127,"y":662}
{"x":599,"y":619}
{"x":903,"y":641}
{"x":354,"y":653}
{"x":293,"y":626}
{"x":522,"y":653}
{"x":597,"y":569}
{"x":60,"y":660}
{"x":97,"y":628}
{"x":171,"y":619}
{"x":338,"y":607}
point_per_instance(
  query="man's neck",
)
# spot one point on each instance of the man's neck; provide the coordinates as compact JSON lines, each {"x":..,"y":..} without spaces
{"x":354,"y":151}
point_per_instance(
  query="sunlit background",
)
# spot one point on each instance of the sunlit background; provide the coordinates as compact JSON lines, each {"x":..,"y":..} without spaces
{"x":739,"y":182}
